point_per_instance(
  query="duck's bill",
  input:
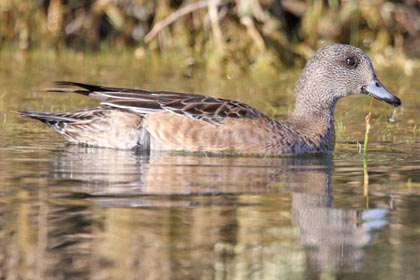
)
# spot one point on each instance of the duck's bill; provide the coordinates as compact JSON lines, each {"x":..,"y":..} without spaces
{"x":377,"y":90}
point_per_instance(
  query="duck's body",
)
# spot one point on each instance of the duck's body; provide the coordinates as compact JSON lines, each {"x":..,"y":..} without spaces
{"x":146,"y":120}
{"x":166,"y":131}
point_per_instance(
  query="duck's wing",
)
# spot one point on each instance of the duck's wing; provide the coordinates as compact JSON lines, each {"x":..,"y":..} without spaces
{"x":209,"y":109}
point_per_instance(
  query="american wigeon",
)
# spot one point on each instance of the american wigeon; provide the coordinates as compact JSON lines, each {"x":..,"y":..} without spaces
{"x":157,"y":120}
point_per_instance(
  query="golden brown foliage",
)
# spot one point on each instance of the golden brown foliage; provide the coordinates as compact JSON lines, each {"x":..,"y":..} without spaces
{"x":242,"y":31}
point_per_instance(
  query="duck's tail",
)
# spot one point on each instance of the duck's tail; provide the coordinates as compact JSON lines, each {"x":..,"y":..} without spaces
{"x":99,"y":126}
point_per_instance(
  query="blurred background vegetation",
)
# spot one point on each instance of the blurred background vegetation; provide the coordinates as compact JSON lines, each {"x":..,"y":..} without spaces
{"x":212,"y":32}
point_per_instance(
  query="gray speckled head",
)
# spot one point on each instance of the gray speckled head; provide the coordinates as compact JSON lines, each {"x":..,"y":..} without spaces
{"x":336,"y":71}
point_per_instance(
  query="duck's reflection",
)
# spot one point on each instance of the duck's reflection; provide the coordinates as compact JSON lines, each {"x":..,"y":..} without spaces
{"x":333,"y":237}
{"x":183,"y":216}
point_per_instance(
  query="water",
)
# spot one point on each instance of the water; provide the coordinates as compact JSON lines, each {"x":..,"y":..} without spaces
{"x":71,"y":212}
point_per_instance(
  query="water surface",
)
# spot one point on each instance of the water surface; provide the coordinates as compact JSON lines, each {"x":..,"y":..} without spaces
{"x":72,"y":212}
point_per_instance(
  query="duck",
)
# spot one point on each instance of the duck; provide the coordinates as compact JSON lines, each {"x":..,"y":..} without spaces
{"x":145,"y":120}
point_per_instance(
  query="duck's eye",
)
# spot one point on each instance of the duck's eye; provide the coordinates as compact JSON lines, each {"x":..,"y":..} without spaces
{"x":351,"y":62}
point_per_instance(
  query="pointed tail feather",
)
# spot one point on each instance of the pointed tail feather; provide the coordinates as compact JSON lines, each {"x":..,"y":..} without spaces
{"x":48,"y":118}
{"x":56,"y":118}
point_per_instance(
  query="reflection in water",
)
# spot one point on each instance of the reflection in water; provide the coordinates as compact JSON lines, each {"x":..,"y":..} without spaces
{"x":68,"y":242}
{"x":111,"y":214}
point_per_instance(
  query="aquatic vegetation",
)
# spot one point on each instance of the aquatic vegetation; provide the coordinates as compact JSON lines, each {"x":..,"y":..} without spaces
{"x":366,"y":140}
{"x":214,"y":32}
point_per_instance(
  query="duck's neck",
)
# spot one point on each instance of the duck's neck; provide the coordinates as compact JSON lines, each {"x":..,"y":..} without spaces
{"x":315,"y":126}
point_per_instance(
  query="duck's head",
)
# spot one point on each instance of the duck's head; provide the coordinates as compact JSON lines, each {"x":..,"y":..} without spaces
{"x":338,"y":70}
